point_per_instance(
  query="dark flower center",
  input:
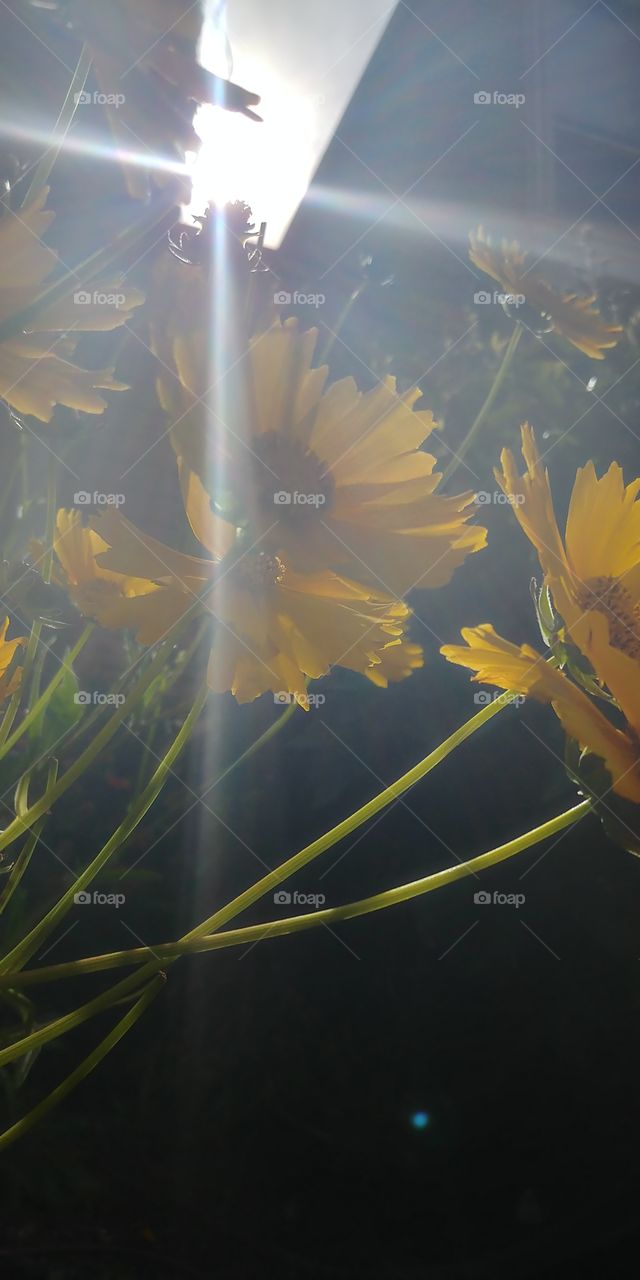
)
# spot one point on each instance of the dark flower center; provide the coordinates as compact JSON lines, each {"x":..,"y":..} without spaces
{"x":292,"y":482}
{"x":608,"y":596}
{"x":258,"y":569}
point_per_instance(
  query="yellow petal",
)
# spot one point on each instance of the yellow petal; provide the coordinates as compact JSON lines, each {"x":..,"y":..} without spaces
{"x":216,"y":534}
{"x":522,"y":670}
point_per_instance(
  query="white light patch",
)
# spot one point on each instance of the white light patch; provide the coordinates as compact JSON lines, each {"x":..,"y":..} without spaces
{"x":305,"y":69}
{"x":267,"y":165}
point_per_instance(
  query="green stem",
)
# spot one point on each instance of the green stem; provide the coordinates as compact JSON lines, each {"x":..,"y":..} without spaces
{"x":124,"y":988}
{"x":262,"y":740}
{"x":12,"y":709}
{"x":47,"y":570}
{"x":23,"y":822}
{"x":9,"y":483}
{"x":165,"y":687}
{"x":22,"y":953}
{"x":52,"y":511}
{"x":95,"y":265}
{"x":480,"y":417}
{"x":94,"y":1058}
{"x":47,"y":694}
{"x":350,"y":824}
{"x":36,"y":628}
{"x":61,"y":127}
{"x":24,"y":858}
{"x":327,"y":346}
{"x":168,"y":951}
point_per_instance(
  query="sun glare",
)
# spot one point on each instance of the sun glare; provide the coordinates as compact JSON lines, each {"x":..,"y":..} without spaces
{"x":267,"y":165}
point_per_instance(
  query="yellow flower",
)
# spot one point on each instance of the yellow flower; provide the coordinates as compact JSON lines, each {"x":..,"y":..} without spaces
{"x":197,"y":358}
{"x":144,"y":59}
{"x":33,"y":375}
{"x":594,"y":575}
{"x":573,"y":317}
{"x":398,"y":659}
{"x":10,"y":674}
{"x":275,"y":627}
{"x":112,"y":599}
{"x":179,"y":336}
{"x":335,"y":479}
{"x":524,"y":671}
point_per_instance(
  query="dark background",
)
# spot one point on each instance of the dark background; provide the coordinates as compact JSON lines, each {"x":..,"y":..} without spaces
{"x":259,"y":1121}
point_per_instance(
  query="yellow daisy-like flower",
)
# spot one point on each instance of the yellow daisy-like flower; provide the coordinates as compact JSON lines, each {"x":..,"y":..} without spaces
{"x":34,"y":377}
{"x":144,"y":57}
{"x":573,"y":317}
{"x":112,"y":599}
{"x":594,"y":574}
{"x":524,"y":671}
{"x":275,"y":627}
{"x":335,"y":479}
{"x":10,"y":674}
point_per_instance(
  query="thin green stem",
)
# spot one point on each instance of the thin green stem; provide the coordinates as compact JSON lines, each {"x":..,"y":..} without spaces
{"x":10,"y":482}
{"x":52,"y":511}
{"x":95,"y":265}
{"x":122,"y":989}
{"x":75,"y":771}
{"x":462,"y":451}
{"x":22,"y":953}
{"x":63,"y":1090}
{"x":61,"y":127}
{"x":24,"y":857}
{"x":350,"y":824}
{"x":29,"y":667}
{"x":45,"y":697}
{"x":14,"y":702}
{"x":264,"y":738}
{"x":333,"y":335}
{"x":168,"y":951}
{"x":47,"y":570}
